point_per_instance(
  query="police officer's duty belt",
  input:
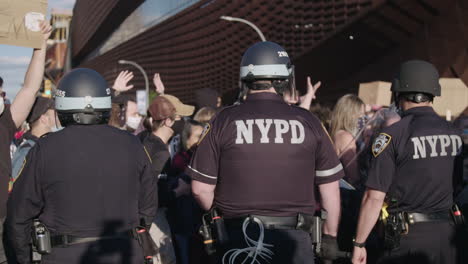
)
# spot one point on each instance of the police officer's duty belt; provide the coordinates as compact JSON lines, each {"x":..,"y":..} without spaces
{"x":69,"y":240}
{"x":299,"y":222}
{"x":413,"y":218}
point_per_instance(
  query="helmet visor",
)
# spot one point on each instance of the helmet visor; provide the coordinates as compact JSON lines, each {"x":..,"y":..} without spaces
{"x":292,"y":83}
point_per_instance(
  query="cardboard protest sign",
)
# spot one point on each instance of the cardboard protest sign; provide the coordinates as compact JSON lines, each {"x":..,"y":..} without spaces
{"x":375,"y":93}
{"x":453,"y":99}
{"x":19,"y":22}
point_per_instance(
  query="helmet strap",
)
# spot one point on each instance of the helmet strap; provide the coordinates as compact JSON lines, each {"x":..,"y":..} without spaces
{"x":242,"y":93}
{"x":417,"y":97}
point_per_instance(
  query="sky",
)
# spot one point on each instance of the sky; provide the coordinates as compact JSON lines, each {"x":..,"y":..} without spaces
{"x":14,"y":60}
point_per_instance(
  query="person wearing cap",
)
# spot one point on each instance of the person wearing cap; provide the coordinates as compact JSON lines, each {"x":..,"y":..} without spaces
{"x":42,"y":120}
{"x":162,"y":117}
{"x":183,"y":111}
{"x":410,"y":179}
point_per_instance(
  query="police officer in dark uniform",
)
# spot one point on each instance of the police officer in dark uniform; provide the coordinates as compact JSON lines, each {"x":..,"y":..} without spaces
{"x":258,"y":164}
{"x":89,"y":184}
{"x":412,"y":172}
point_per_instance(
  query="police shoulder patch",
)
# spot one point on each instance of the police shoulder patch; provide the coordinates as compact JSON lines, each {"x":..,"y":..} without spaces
{"x":380,"y":143}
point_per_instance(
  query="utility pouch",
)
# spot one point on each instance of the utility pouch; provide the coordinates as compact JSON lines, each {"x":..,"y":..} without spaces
{"x":394,"y":227}
{"x":205,"y":232}
{"x":314,"y":229}
{"x":222,"y":237}
{"x":213,"y":230}
{"x":41,"y":244}
{"x":147,"y":244}
{"x":457,"y":215}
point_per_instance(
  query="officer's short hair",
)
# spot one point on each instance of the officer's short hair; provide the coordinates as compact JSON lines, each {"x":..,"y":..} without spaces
{"x":259,"y":85}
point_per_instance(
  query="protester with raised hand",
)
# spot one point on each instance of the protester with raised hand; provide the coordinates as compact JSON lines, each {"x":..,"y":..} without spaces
{"x":121,"y":82}
{"x":305,"y":100}
{"x":158,"y":84}
{"x":124,"y":114}
{"x":14,"y":115}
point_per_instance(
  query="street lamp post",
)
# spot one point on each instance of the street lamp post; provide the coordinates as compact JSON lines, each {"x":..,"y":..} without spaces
{"x":252,"y":25}
{"x":136,"y":65}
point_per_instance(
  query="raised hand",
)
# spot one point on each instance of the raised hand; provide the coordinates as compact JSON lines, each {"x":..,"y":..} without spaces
{"x":120,"y":84}
{"x":306,"y":99}
{"x":25,"y":97}
{"x":158,"y":83}
{"x":46,"y":29}
{"x":311,"y":89}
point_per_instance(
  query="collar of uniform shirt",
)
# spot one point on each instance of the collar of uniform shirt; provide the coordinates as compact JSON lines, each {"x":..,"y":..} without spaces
{"x":264,"y":96}
{"x":29,"y":135}
{"x":417,"y":110}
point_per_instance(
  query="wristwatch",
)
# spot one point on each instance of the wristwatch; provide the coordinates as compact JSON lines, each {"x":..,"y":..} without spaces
{"x":357,"y":244}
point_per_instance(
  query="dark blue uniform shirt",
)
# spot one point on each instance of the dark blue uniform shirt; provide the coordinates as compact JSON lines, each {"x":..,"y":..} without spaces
{"x":265,"y":157}
{"x":82,"y":181}
{"x":414,"y":162}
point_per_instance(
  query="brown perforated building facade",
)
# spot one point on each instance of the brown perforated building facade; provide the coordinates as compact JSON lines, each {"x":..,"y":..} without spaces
{"x":340,"y":42}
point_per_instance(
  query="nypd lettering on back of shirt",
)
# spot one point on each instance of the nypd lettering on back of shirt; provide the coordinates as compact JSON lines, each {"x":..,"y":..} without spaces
{"x":284,"y":131}
{"x":436,"y":146}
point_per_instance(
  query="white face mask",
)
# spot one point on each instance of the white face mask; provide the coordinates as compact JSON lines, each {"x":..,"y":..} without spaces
{"x":2,"y":105}
{"x":133,"y":122}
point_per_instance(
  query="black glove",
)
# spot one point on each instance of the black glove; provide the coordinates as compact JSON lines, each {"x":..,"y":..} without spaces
{"x":330,"y":250}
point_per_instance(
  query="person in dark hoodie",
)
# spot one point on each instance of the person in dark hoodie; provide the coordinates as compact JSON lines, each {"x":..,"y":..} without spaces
{"x":207,"y":97}
{"x":162,"y":118}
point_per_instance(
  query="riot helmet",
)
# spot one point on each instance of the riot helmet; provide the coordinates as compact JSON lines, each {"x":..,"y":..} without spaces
{"x":83,"y":97}
{"x":266,"y":61}
{"x":416,"y":81}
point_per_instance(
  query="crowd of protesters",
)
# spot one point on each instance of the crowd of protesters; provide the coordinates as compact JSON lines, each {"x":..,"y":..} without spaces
{"x":170,"y":130}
